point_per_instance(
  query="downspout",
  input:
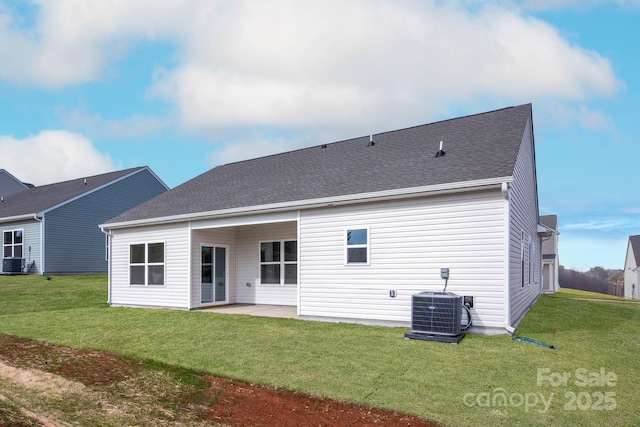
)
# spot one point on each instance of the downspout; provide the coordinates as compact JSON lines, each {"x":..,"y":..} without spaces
{"x":108,"y":234}
{"x":507,"y":259}
{"x":190,"y":271}
{"x":299,"y":296}
{"x":41,"y":221}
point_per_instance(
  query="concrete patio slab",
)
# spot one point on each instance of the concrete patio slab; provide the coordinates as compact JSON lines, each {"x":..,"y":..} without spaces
{"x":284,"y":311}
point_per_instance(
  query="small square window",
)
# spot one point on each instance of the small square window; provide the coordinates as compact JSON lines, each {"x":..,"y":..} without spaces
{"x":357,"y":246}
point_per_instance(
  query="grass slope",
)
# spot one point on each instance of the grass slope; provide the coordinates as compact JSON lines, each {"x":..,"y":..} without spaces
{"x":482,"y":381}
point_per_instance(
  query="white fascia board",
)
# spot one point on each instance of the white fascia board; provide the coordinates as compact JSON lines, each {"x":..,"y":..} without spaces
{"x":429,"y":190}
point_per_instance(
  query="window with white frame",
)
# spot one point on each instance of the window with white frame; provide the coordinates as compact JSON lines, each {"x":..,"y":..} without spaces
{"x":357,"y":246}
{"x":146,"y":264}
{"x":12,"y":243}
{"x":279,"y":262}
{"x":526,"y":265}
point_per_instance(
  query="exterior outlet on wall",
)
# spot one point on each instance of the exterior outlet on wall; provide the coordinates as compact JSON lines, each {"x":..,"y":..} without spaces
{"x":392,"y":293}
{"x":468,"y":301}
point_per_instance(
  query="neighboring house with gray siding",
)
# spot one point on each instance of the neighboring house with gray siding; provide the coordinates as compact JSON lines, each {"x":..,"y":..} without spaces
{"x":9,"y":184}
{"x":550,"y":259}
{"x":54,"y":228}
{"x":632,"y":268}
{"x":348,"y":231}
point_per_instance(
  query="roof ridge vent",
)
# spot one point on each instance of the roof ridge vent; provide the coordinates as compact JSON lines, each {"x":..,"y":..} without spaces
{"x":440,"y":152}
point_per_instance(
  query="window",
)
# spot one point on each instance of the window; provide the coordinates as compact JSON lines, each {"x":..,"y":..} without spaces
{"x":530,"y":260}
{"x":279,"y":263}
{"x":146,"y":264}
{"x":526,"y":263}
{"x":357,"y":246}
{"x":12,"y":244}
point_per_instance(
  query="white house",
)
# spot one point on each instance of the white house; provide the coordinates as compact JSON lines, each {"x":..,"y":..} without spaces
{"x":632,"y":268}
{"x":348,"y":231}
{"x":550,"y":260}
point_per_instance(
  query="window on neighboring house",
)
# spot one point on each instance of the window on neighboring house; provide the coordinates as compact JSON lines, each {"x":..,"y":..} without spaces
{"x":12,"y":244}
{"x":357,"y":246}
{"x":279,"y":263}
{"x":146,"y":264}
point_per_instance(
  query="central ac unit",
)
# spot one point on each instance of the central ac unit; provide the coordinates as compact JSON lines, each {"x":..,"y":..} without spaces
{"x":436,"y":316}
{"x":12,"y":265}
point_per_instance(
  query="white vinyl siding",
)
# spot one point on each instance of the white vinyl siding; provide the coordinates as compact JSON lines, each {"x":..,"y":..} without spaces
{"x":175,"y":292}
{"x":523,"y":212}
{"x":409,"y":242}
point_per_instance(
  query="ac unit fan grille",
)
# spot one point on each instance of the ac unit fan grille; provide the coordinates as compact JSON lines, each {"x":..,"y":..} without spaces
{"x":436,"y":313}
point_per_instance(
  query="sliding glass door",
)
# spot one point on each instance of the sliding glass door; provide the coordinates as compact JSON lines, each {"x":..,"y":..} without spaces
{"x":213,"y":288}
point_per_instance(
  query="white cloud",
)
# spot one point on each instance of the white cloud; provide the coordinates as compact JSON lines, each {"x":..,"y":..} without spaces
{"x":603,"y":224}
{"x":52,"y":156}
{"x":337,"y":63}
{"x":315,"y":63}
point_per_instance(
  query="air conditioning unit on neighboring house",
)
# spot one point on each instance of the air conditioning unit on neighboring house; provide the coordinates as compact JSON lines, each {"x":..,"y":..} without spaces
{"x":12,"y":265}
{"x":436,"y":316}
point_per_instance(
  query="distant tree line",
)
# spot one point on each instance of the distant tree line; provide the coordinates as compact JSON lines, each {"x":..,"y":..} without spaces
{"x":597,"y":279}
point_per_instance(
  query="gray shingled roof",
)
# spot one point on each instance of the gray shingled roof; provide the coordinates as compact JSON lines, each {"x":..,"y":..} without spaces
{"x":9,"y":184}
{"x":635,"y":246}
{"x":550,"y":221}
{"x":38,"y":199}
{"x":477,"y":147}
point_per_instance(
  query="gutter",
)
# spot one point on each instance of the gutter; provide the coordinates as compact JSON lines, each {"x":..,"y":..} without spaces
{"x":431,"y":190}
{"x":20,"y":217}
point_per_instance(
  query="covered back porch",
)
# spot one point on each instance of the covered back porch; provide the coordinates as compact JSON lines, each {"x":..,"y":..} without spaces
{"x":247,"y":264}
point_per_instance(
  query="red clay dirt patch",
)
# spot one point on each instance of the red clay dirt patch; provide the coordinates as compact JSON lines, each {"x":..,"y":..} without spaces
{"x":87,"y":367}
{"x":226,"y":402}
{"x":242,"y":404}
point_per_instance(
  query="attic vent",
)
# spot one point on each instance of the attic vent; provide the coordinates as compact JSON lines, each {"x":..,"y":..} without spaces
{"x":323,"y":146}
{"x":371,"y":143}
{"x":440,"y":152}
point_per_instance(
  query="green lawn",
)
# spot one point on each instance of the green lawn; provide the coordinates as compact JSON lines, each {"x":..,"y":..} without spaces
{"x":465,"y":384}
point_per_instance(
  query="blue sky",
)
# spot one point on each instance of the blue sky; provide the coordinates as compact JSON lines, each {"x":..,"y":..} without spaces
{"x":89,"y":86}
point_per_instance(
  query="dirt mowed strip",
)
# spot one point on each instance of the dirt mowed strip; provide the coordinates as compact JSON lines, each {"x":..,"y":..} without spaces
{"x":119,"y":391}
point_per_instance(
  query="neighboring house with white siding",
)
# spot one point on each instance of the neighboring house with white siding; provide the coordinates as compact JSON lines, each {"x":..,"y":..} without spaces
{"x":348,"y":231}
{"x":550,"y":259}
{"x":632,"y":268}
{"x":54,"y":228}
